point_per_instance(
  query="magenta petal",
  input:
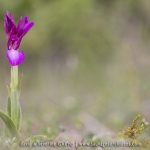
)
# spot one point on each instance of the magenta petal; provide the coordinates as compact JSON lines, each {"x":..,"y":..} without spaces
{"x":24,"y":28}
{"x":14,"y":42}
{"x":26,"y":18}
{"x":9,"y":23}
{"x":20,"y":26}
{"x":27,"y":27}
{"x":15,"y":57}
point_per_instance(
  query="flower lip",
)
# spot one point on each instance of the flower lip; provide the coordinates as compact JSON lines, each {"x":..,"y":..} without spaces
{"x":15,"y":57}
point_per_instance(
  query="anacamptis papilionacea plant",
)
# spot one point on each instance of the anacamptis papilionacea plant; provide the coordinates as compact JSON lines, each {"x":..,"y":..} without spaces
{"x":14,"y":33}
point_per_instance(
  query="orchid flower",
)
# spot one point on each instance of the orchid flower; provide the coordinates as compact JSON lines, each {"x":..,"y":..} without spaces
{"x":12,"y":116}
{"x":15,"y":34}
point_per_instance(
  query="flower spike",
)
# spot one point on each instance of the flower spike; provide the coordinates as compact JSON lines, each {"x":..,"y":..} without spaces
{"x":15,"y":34}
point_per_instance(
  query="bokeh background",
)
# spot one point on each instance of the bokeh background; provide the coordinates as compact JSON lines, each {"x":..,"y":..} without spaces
{"x":81,"y":56}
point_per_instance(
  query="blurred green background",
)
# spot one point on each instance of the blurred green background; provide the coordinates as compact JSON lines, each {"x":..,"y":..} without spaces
{"x":81,"y":56}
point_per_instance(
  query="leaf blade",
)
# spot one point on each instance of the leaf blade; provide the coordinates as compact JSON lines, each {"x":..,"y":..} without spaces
{"x":9,"y":124}
{"x":8,"y":107}
{"x":15,"y":108}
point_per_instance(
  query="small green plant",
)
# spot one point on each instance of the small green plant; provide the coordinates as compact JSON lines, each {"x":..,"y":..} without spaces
{"x":133,"y":132}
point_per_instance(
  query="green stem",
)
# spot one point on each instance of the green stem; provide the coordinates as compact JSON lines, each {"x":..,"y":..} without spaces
{"x":14,"y":77}
{"x":14,"y":107}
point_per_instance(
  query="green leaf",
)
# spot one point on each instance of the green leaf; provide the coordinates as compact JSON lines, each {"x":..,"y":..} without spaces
{"x":9,"y":124}
{"x":15,"y":108}
{"x":19,"y":117}
{"x":6,"y":132}
{"x":9,"y":89}
{"x":8,"y":107}
{"x":19,"y":86}
{"x":18,"y":90}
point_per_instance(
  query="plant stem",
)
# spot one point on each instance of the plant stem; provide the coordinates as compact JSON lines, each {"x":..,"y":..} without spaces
{"x":14,"y":77}
{"x":14,"y":98}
